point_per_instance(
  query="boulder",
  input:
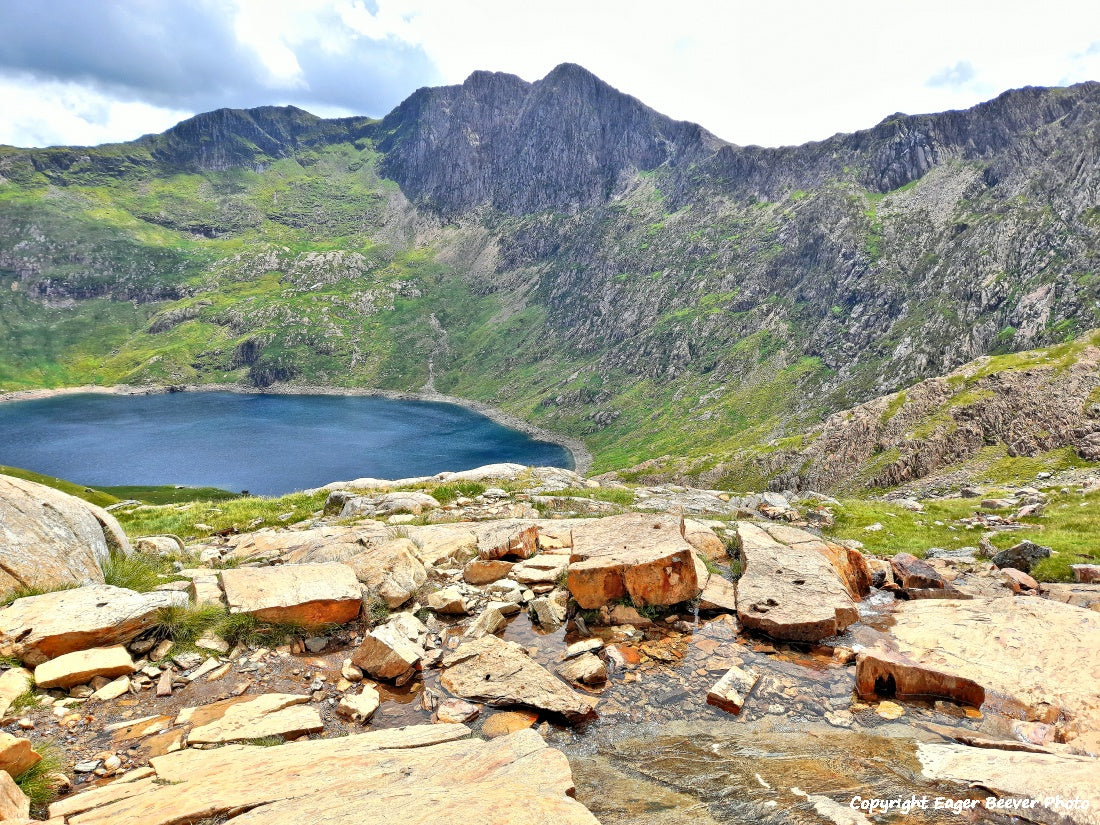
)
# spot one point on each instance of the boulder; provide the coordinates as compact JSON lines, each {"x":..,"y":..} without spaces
{"x":584,"y":669}
{"x":352,"y":506}
{"x":792,"y":593}
{"x":1067,"y":787}
{"x":49,"y":538}
{"x":305,"y":594}
{"x":719,"y":595}
{"x":449,"y":600}
{"x":1086,"y":573}
{"x":388,"y":653}
{"x":13,"y":684}
{"x":15,"y":806}
{"x":1022,"y":556}
{"x":730,"y":692}
{"x":1018,"y":581}
{"x":269,"y":714}
{"x":37,"y":628}
{"x":392,"y":570}
{"x":420,"y":775}
{"x":704,"y":540}
{"x":549,"y":611}
{"x":490,"y":621}
{"x":159,"y":545}
{"x":205,"y":590}
{"x":641,"y":556}
{"x":850,"y":564}
{"x":501,"y":674}
{"x":482,"y":571}
{"x":80,"y":666}
{"x":17,"y":755}
{"x":1033,"y":659}
{"x":456,"y":710}
{"x":359,"y":707}
{"x":913,"y":574}
{"x":509,"y":537}
{"x":437,"y":543}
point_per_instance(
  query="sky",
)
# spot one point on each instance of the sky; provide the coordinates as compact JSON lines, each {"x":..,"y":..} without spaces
{"x":771,"y":72}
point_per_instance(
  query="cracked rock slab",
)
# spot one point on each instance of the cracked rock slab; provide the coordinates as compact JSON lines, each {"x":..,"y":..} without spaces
{"x":501,"y":674}
{"x":790,"y":592}
{"x":418,"y":775}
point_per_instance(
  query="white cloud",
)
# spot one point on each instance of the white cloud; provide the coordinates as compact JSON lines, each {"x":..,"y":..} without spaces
{"x":38,"y":113}
{"x":773,"y":73}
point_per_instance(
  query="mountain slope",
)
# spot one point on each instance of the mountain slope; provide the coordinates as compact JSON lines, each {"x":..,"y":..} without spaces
{"x":561,"y":250}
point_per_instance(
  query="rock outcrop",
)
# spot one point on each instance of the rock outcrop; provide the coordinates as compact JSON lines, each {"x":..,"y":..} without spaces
{"x":502,"y":674}
{"x":423,"y":772}
{"x":305,"y":594}
{"x":1063,"y":787}
{"x":37,"y":628}
{"x":643,"y":557}
{"x":790,"y":592}
{"x":1024,"y":657}
{"x":49,"y":538}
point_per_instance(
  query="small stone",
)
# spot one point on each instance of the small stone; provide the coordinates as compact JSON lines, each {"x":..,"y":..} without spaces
{"x":162,"y":650}
{"x":164,"y":684}
{"x":890,"y":710}
{"x":361,"y":707}
{"x":501,"y":724}
{"x":86,"y":766}
{"x":351,"y":672}
{"x":212,"y":641}
{"x":456,"y":710}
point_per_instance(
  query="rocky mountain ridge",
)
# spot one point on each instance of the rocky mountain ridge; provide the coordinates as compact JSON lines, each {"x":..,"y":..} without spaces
{"x":588,"y":263}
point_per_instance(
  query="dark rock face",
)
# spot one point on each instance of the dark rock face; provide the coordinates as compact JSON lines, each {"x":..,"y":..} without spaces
{"x":1022,"y":556}
{"x":568,"y":140}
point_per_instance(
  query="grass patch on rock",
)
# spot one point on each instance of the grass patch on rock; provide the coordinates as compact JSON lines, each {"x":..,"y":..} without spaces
{"x":192,"y":520}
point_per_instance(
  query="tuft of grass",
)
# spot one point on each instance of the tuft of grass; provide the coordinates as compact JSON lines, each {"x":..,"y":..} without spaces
{"x":249,"y":513}
{"x":185,"y":625}
{"x":614,"y":495}
{"x":36,"y":781}
{"x":137,"y":571}
{"x":375,"y":610}
{"x":446,"y":493}
{"x":713,"y":567}
{"x":265,"y":741}
{"x":29,"y":698}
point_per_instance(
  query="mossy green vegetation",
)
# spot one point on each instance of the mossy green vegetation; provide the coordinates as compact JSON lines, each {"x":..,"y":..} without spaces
{"x":196,"y":519}
{"x":1069,"y":526}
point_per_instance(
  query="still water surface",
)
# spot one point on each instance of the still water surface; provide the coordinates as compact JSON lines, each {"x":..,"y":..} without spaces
{"x":267,"y":444}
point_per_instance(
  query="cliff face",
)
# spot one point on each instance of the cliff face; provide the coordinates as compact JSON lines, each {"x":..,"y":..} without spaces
{"x":565,"y":250}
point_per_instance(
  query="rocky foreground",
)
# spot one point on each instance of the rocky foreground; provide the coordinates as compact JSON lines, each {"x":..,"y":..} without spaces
{"x":443,"y":659}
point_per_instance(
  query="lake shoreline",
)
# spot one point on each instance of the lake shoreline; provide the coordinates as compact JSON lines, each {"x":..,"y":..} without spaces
{"x":582,"y":458}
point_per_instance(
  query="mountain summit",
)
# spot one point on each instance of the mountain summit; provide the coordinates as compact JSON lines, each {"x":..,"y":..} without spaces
{"x":561,"y":249}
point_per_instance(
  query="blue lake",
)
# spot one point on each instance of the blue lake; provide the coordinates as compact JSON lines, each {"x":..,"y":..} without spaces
{"x":267,"y":444}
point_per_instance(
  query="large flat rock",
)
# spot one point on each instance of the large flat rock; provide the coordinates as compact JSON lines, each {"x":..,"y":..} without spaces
{"x":790,"y":592}
{"x":38,"y":628}
{"x":641,"y":556}
{"x":81,"y":666}
{"x":48,"y":538}
{"x":419,"y":775}
{"x":849,"y":564}
{"x":1043,"y":777}
{"x":305,"y":594}
{"x":1022,"y":656}
{"x":269,"y":714}
{"x":501,"y":674}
